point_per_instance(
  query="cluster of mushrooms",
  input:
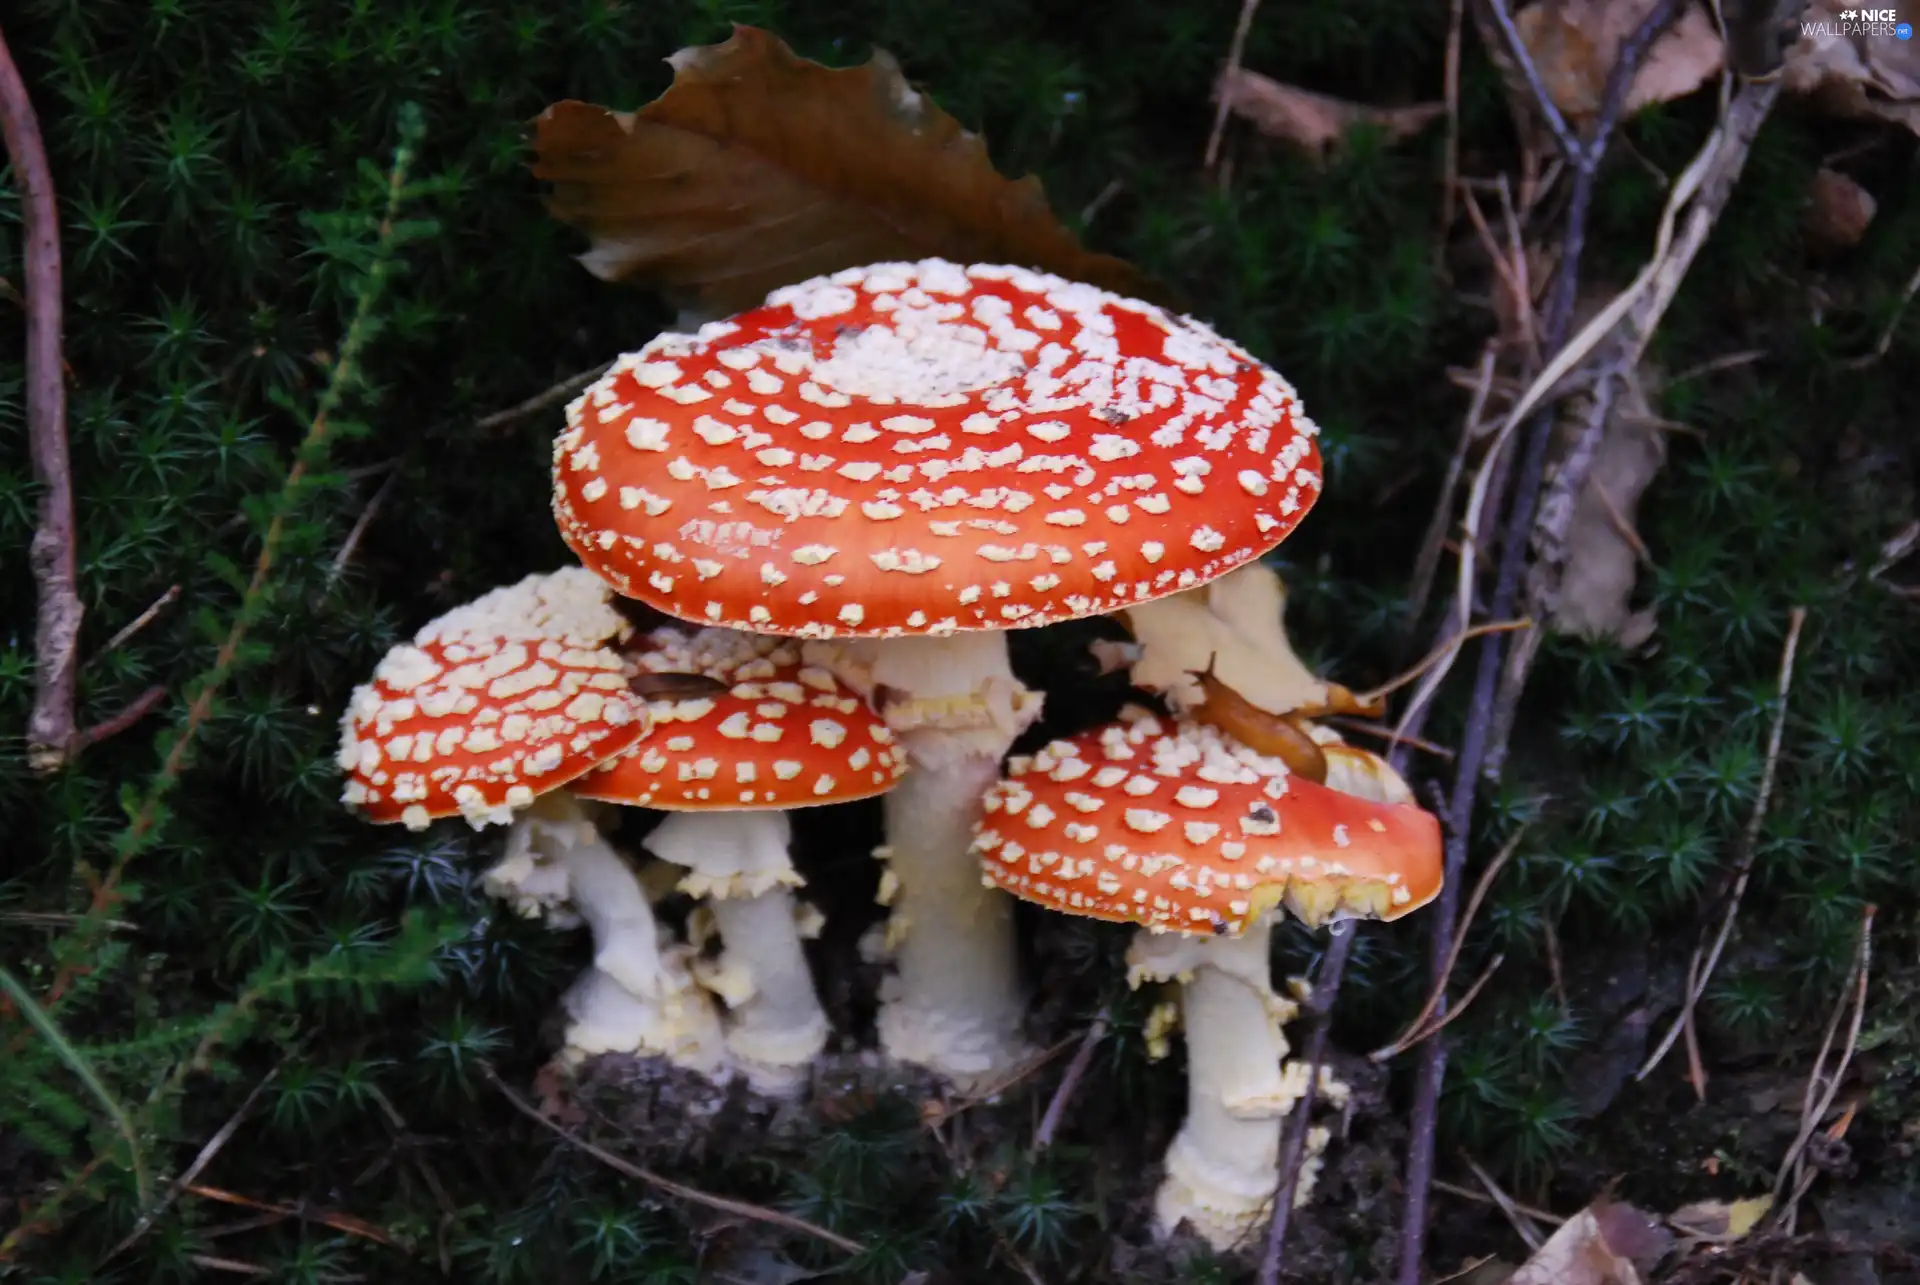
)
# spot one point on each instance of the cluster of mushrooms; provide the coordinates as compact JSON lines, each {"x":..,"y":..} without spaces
{"x":803,"y":534}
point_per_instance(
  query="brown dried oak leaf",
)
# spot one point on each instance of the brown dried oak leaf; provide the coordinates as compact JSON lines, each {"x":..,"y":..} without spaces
{"x":1853,"y":74}
{"x":1604,"y":1244}
{"x":1314,"y":121}
{"x":1573,"y":43}
{"x":758,"y":168}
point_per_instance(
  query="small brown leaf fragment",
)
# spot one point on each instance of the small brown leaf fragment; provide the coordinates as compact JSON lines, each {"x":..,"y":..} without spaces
{"x":1852,"y":73}
{"x":1314,"y":121}
{"x":1838,"y":212}
{"x":1601,"y":1245}
{"x":758,"y":168}
{"x":1603,"y":554}
{"x":1718,"y":1220}
{"x":1574,"y":44}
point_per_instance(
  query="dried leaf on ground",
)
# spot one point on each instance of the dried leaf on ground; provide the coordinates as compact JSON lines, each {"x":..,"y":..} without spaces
{"x":1574,"y":44}
{"x":758,"y":168}
{"x":1853,"y":74}
{"x":1314,"y":121}
{"x":1720,"y":1221}
{"x":1603,"y":552}
{"x":1604,"y":1244}
{"x":1838,"y":212}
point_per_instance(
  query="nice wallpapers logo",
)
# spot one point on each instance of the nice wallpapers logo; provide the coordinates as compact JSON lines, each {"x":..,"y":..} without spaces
{"x":1861,"y":22}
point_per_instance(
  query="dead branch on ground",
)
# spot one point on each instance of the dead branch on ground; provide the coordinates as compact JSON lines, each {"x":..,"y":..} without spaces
{"x":56,"y":574}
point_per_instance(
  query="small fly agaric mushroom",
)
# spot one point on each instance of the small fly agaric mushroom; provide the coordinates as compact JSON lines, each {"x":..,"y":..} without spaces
{"x":1200,"y":840}
{"x":767,"y":734}
{"x":898,"y":462}
{"x":489,"y":711}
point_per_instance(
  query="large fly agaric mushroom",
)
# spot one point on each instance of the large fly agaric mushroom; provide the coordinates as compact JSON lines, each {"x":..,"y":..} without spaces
{"x":485,"y":714}
{"x":901,"y":461}
{"x":1200,"y":841}
{"x":767,"y":734}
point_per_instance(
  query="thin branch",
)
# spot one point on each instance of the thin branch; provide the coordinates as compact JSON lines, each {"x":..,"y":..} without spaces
{"x":1516,"y":1218}
{"x":1630,"y":318}
{"x":1434,"y":657}
{"x":1476,"y":742}
{"x":138,"y":708}
{"x":1076,"y":1071}
{"x":567,"y":388}
{"x":1293,"y":1147}
{"x":1427,"y":564}
{"x":1437,"y":996}
{"x":1702,"y":970}
{"x":1892,"y":327}
{"x":192,"y":1173}
{"x":1823,"y":1086}
{"x":142,"y":620}
{"x":1234,"y":52}
{"x":359,"y":529}
{"x":56,"y":568}
{"x":142,"y":829}
{"x":1450,"y":79}
{"x":692,"y":1195}
{"x":1570,"y":147}
{"x":1481,"y":1198}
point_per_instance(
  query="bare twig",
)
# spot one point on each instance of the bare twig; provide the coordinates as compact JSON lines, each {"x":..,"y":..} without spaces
{"x":142,"y":620}
{"x":1531,"y":466}
{"x":1076,"y":1071}
{"x":1707,"y":958}
{"x":1516,"y":1218}
{"x":938,"y":1113}
{"x":1892,"y":327}
{"x":142,"y":828}
{"x":359,"y":529}
{"x":1468,"y":1193}
{"x":1450,"y":174}
{"x":1437,"y":997}
{"x":1428,"y":563}
{"x":569,"y":387}
{"x":1714,"y":365}
{"x":192,"y":1173}
{"x":1234,"y":52}
{"x":1293,"y":1146}
{"x":692,"y":1195}
{"x":56,"y":572}
{"x":1572,"y":148}
{"x":1623,"y":528}
{"x":1385,"y":733}
{"x":138,"y":708}
{"x":1433,"y":657}
{"x":1824,"y":1085}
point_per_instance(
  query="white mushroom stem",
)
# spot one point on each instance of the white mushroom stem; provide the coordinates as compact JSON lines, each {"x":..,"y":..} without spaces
{"x":1223,"y":1167}
{"x":953,"y":1003}
{"x":556,"y":853}
{"x":1233,"y":624}
{"x":638,"y":997}
{"x":680,"y":1024}
{"x":740,"y":866}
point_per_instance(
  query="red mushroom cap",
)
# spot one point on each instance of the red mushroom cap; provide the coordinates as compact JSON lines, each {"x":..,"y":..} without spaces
{"x":1183,"y":830}
{"x":782,"y":735}
{"x":914,"y":448}
{"x":492,"y":705}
